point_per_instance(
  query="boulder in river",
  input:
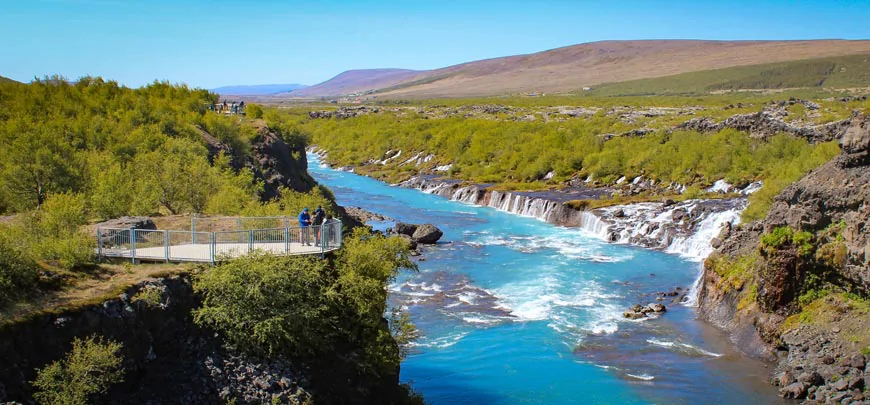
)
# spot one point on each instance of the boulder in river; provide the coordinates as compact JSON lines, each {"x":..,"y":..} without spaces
{"x":427,"y":234}
{"x":402,"y":228}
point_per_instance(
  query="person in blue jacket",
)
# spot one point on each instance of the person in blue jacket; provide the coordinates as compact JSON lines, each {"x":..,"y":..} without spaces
{"x":305,"y":224}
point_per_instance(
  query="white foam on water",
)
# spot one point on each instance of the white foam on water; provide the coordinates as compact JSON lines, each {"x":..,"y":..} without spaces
{"x":441,"y":342}
{"x":682,"y":347}
{"x":644,"y":377}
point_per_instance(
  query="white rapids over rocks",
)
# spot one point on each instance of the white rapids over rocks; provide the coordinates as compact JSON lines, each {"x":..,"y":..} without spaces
{"x":685,"y":228}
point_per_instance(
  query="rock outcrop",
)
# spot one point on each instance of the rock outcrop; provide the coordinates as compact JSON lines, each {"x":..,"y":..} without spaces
{"x":770,"y":121}
{"x":815,"y":240}
{"x":275,"y":162}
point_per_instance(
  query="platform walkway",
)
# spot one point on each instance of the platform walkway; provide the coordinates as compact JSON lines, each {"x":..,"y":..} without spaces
{"x":210,"y":247}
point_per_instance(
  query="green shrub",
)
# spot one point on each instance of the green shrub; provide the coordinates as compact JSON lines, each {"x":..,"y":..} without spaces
{"x":269,"y":304}
{"x":307,"y":308}
{"x":18,"y":273}
{"x":778,"y":238}
{"x":149,"y":295}
{"x":734,"y":272}
{"x":88,"y":370}
{"x":54,"y":233}
{"x":783,"y":236}
{"x":254,"y":111}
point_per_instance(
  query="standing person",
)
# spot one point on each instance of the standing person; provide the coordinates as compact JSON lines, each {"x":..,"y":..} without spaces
{"x":319,"y":216}
{"x":305,"y":224}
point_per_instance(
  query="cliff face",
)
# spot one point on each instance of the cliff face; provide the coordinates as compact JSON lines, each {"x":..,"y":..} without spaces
{"x":794,"y":286}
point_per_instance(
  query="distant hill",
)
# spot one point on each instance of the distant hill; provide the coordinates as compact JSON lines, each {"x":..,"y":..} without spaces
{"x":573,"y":67}
{"x":257,"y":89}
{"x":357,"y":81}
{"x":6,"y":80}
{"x":836,"y":72}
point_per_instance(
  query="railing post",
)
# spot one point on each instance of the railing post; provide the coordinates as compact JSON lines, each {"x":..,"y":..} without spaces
{"x":322,"y":232}
{"x":166,"y":244}
{"x":193,"y":229}
{"x":250,"y":241}
{"x":340,"y":236}
{"x":99,"y":245}
{"x":286,"y":238}
{"x":212,"y":248}
{"x":133,"y":244}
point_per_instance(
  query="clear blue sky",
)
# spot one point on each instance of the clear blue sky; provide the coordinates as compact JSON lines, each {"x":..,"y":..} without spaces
{"x":214,"y":43}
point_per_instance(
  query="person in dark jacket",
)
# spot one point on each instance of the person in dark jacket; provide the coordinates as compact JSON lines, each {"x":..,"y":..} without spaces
{"x":319,"y":216}
{"x":305,"y":224}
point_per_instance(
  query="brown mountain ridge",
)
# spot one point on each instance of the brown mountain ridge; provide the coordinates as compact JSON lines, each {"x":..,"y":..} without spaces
{"x":574,"y":67}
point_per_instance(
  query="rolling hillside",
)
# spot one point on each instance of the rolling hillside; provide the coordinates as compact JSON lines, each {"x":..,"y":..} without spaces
{"x":357,"y":81}
{"x":572,"y":68}
{"x":835,"y":72}
{"x":4,"y":80}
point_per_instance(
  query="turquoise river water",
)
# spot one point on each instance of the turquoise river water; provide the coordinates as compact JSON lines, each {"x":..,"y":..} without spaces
{"x":517,"y":311}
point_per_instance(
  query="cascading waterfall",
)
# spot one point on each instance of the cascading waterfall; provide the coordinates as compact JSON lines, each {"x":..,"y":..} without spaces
{"x":697,"y":246}
{"x":685,"y":228}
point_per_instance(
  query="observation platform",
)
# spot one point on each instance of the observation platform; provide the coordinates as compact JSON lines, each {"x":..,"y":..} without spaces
{"x":210,"y":247}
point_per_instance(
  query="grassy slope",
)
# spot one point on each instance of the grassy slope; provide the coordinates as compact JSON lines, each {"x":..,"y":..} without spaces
{"x":4,"y":80}
{"x":836,"y":72}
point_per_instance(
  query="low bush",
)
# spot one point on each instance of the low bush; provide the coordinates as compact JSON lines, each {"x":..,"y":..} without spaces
{"x":88,"y":370}
{"x":53,"y":234}
{"x":308,"y":308}
{"x":18,"y":273}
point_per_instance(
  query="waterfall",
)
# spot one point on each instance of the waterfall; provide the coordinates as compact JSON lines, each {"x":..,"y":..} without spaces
{"x":685,"y":228}
{"x":697,"y":245}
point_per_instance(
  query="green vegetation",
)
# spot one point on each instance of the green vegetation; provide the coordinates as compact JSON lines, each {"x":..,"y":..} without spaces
{"x":18,"y":274}
{"x":149,"y":295}
{"x":254,"y":111}
{"x":130,"y":151}
{"x":307,"y":308}
{"x":835,"y":72}
{"x":52,"y":234}
{"x":785,"y":236}
{"x":88,"y":370}
{"x":488,"y":151}
{"x":734,"y":273}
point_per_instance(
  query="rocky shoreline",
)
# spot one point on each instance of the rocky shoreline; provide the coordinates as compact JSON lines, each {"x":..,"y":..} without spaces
{"x":800,"y":300}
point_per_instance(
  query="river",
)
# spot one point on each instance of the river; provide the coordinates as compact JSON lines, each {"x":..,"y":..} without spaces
{"x":517,"y":311}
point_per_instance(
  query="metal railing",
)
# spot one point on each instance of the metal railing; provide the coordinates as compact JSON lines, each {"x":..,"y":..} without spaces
{"x":210,"y":247}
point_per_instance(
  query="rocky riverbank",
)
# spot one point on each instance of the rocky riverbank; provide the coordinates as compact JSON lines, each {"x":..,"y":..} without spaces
{"x":794,"y":288}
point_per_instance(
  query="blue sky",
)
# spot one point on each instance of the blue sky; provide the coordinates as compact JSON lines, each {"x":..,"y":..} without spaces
{"x":214,"y":43}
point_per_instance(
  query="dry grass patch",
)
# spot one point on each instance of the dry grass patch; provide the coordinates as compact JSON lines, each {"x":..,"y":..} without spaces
{"x":103,"y":282}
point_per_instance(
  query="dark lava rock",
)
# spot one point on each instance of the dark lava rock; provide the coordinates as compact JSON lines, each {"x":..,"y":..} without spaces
{"x":427,"y":234}
{"x":812,"y":378}
{"x":783,"y":379}
{"x":405,"y":229}
{"x":796,"y":390}
{"x":840,"y":385}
